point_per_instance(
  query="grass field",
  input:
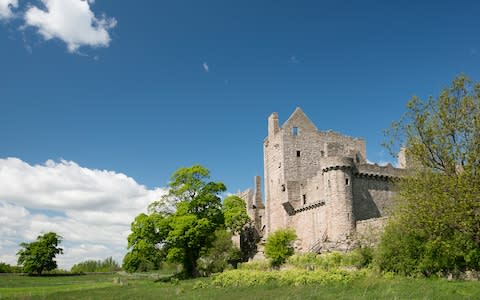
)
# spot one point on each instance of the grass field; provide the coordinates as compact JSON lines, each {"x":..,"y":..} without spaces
{"x":116,"y":286}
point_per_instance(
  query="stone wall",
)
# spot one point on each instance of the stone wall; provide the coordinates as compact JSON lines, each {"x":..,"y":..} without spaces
{"x":319,"y":182}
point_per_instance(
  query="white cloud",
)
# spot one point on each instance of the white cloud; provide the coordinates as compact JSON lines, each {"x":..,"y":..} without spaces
{"x":72,"y":21}
{"x":91,"y":209}
{"x":205,"y":67}
{"x":6,"y":8}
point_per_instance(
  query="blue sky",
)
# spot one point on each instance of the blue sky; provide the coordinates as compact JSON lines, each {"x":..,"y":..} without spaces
{"x":165,"y":84}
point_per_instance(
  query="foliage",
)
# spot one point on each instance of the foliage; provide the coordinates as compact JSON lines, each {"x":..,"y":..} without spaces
{"x":288,"y":277}
{"x":38,"y":256}
{"x":442,"y":134}
{"x":279,"y":246}
{"x":436,"y":225}
{"x":91,"y":266}
{"x":235,"y":213}
{"x":6,"y":268}
{"x":220,"y":255}
{"x":358,"y":258}
{"x":258,"y":265}
{"x":145,"y":254}
{"x":249,"y":238}
{"x":183,"y":233}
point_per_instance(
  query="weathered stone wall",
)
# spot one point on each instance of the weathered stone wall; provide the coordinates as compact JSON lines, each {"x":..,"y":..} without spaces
{"x":373,"y":197}
{"x":320,"y":183}
{"x":369,"y":231}
{"x":310,"y":226}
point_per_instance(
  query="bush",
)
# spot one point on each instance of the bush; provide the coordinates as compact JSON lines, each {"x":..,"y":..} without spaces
{"x":259,"y":265}
{"x":279,"y":246}
{"x":290,"y":277}
{"x":435,"y":228}
{"x":220,"y":255}
{"x":92,"y":266}
{"x":358,"y":258}
{"x":6,"y":268}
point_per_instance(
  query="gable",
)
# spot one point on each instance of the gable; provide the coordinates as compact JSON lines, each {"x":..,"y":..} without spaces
{"x":299,"y":120}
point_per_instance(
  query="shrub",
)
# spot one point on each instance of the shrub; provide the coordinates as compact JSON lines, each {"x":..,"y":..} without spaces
{"x":259,"y":265}
{"x":279,"y":246}
{"x":6,"y":268}
{"x":220,"y":255}
{"x":358,"y":258}
{"x":91,"y":266}
{"x":290,"y":277}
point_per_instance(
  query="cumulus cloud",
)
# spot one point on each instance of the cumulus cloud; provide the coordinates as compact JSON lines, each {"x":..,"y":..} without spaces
{"x":71,"y":21}
{"x":205,"y":67}
{"x":6,"y":8}
{"x":91,"y":209}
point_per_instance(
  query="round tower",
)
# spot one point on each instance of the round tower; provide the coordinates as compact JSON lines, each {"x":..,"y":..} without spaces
{"x":337,"y":173}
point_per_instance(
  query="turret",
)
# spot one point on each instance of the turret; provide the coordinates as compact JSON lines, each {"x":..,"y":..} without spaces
{"x":337,"y":173}
{"x":273,"y":126}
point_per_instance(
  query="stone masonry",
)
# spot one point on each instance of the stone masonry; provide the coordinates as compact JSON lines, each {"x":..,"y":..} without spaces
{"x":320,"y":184}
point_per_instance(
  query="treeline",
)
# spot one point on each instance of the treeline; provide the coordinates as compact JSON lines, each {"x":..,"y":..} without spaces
{"x":96,"y":266}
{"x":6,"y":268}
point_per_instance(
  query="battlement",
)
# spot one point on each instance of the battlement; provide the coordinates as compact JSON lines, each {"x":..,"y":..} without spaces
{"x":376,"y":171}
{"x":335,"y":163}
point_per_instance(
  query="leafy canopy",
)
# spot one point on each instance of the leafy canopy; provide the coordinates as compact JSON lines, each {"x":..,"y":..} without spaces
{"x":182,"y":233}
{"x":235,"y":213}
{"x":38,"y":256}
{"x":436,"y":224}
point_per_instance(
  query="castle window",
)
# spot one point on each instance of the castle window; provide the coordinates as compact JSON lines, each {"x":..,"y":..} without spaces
{"x":346,"y":181}
{"x":294,"y":131}
{"x":283,"y":188}
{"x":279,"y":165}
{"x":298,"y":153}
{"x":322,"y":153}
{"x":304,"y":198}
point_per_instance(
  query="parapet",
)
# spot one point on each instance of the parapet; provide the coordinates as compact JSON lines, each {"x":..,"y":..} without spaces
{"x":337,"y":162}
{"x":385,"y":172}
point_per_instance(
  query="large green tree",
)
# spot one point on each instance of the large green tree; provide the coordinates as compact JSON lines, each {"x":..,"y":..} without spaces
{"x":436,"y":224}
{"x":182,"y":233}
{"x":38,"y":256}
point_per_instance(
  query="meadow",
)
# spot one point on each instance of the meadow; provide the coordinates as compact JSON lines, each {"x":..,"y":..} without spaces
{"x":150,"y":286}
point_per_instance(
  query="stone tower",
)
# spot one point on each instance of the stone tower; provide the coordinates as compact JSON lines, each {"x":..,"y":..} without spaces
{"x":320,"y":184}
{"x":337,"y":172}
{"x":293,"y":155}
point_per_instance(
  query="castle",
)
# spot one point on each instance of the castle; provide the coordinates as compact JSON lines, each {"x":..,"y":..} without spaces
{"x":320,"y":184}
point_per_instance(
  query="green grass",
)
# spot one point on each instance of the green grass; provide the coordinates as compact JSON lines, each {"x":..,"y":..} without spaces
{"x":140,"y":286}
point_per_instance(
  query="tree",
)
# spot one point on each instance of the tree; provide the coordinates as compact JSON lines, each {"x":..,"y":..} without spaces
{"x":279,"y":246}
{"x":235,"y":213}
{"x":145,"y":253}
{"x":182,"y":233}
{"x":38,"y":256}
{"x":436,"y":224}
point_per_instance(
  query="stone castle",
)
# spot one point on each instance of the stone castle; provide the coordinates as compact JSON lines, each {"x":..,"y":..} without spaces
{"x":320,"y":184}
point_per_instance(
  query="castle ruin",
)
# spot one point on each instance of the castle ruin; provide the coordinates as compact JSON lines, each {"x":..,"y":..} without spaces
{"x":320,"y":184}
